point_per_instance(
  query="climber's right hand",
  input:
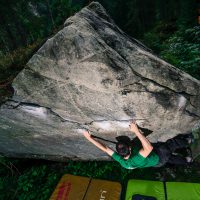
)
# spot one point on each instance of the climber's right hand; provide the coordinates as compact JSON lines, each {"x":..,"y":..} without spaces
{"x":133,"y":127}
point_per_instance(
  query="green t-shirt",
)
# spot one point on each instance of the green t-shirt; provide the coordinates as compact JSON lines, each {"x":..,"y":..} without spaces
{"x":136,"y":160}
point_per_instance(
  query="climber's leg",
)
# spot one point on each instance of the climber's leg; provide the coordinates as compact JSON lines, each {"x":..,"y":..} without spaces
{"x":179,"y":160}
{"x":179,"y":142}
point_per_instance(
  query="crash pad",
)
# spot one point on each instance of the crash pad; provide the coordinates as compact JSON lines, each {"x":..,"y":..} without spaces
{"x":183,"y":191}
{"x":146,"y":188}
{"x":72,"y":187}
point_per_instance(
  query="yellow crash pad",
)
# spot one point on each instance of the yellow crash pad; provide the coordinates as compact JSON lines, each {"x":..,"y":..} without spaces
{"x":72,"y":187}
{"x":103,"y":190}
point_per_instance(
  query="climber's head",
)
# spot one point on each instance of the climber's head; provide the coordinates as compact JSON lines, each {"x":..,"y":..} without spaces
{"x":123,"y":149}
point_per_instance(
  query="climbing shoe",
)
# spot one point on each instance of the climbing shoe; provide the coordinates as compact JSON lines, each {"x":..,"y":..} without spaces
{"x":188,"y":152}
{"x":191,"y":139}
{"x":189,"y":159}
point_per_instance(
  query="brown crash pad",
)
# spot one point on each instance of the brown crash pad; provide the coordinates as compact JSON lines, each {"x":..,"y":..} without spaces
{"x":72,"y":187}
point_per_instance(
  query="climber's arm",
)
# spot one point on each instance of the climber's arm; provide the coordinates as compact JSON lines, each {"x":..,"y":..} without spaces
{"x":98,"y":144}
{"x":147,"y":147}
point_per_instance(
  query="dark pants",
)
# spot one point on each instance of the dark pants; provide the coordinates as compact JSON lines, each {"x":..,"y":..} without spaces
{"x":166,"y":149}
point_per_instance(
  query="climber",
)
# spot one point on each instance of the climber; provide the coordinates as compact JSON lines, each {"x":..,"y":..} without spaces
{"x":151,"y":154}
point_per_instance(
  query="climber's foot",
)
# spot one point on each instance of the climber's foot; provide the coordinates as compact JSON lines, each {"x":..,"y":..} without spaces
{"x":189,"y":159}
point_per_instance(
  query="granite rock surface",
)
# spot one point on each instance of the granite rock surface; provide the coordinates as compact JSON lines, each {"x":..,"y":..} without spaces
{"x":93,"y":75}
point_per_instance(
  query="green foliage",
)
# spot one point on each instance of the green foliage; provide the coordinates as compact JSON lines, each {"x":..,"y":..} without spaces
{"x":8,"y":178}
{"x":11,"y":63}
{"x":152,"y":41}
{"x":160,"y":33}
{"x":183,"y":51}
{"x":25,"y":179}
{"x":179,"y":46}
{"x":37,"y":19}
{"x":34,"y":19}
{"x":31,"y":181}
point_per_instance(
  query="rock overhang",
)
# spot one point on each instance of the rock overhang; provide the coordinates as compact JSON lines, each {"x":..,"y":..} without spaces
{"x":92,"y":75}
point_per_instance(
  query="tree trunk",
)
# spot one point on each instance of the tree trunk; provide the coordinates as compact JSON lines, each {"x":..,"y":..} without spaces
{"x":50,"y":13}
{"x":5,"y":45}
{"x":6,"y":27}
{"x":21,"y":32}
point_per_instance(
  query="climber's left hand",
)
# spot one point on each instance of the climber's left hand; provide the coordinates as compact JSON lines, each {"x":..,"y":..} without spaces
{"x":87,"y":134}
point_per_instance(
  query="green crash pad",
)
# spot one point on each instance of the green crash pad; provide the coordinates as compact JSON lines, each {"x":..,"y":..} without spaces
{"x":147,"y":188}
{"x":183,"y":191}
{"x":174,"y":190}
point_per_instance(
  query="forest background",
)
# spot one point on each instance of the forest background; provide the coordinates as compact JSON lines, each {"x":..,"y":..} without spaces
{"x":170,"y":28}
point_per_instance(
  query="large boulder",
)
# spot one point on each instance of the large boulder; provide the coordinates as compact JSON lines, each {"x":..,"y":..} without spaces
{"x":93,"y":75}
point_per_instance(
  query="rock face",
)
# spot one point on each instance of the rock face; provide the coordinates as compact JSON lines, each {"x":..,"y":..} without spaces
{"x":92,"y":75}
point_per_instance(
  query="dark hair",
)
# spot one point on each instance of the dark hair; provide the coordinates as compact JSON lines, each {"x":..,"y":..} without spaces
{"x":123,"y":149}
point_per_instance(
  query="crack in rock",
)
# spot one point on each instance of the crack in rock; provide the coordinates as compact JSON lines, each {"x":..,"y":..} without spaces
{"x":123,"y":120}
{"x":35,"y":106}
{"x":150,"y":80}
{"x":192,"y":114}
{"x":183,"y":94}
